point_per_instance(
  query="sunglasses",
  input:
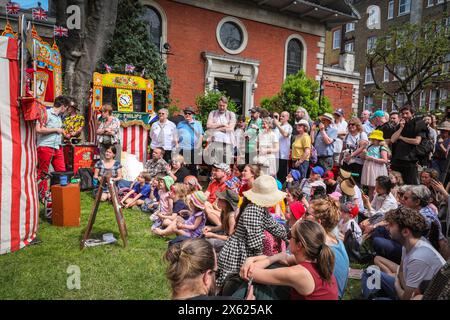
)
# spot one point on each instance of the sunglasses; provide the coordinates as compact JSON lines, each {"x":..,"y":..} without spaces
{"x":351,"y":124}
{"x":188,"y":113}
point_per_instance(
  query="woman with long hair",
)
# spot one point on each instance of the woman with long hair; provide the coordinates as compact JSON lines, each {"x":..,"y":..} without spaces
{"x":327,"y":213}
{"x":309,"y":269}
{"x":354,"y":144}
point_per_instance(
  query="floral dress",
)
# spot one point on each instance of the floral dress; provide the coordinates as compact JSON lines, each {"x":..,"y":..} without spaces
{"x":73,"y":123}
{"x":247,"y":240}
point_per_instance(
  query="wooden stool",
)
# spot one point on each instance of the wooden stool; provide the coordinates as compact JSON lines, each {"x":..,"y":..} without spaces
{"x":66,"y":205}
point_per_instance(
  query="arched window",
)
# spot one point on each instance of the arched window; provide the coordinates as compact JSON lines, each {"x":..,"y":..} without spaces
{"x":294,"y":59}
{"x":153,"y":22}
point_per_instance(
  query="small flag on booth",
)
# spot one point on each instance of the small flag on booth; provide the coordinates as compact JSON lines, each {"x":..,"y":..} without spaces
{"x":60,"y":31}
{"x":143,"y":73}
{"x":39,"y":14}
{"x":129,"y":68}
{"x":12,"y":8}
{"x":108,"y":68}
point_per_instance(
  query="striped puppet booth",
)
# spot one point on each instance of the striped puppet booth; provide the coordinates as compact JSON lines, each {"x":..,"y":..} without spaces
{"x":132,"y":100}
{"x":19,"y":203}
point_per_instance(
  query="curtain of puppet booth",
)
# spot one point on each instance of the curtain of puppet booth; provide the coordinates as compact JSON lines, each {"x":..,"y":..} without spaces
{"x":134,"y":140}
{"x":19,"y":204}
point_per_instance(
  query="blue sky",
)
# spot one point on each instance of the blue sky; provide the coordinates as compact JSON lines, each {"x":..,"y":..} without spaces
{"x":28,"y":4}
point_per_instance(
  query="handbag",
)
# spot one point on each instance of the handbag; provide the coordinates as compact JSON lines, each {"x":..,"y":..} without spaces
{"x":352,"y":245}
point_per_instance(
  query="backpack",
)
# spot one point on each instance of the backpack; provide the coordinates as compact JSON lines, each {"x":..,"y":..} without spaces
{"x":86,"y":179}
{"x":352,"y":245}
{"x":425,"y":148}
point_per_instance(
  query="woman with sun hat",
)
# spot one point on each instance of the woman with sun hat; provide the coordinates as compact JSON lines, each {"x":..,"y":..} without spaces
{"x":253,"y":219}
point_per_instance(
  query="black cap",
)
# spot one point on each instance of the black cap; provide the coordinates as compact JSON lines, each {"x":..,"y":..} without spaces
{"x":189,"y":109}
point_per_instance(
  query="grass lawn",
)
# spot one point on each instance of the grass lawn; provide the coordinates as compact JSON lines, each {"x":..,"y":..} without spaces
{"x":107,"y":272}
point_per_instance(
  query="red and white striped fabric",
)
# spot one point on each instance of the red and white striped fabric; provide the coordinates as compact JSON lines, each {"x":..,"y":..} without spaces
{"x":134,"y":140}
{"x":19,"y":204}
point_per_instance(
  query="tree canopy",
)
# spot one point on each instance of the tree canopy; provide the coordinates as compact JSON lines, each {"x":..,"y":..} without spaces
{"x":298,"y":91}
{"x":414,"y":56}
{"x":131,"y":45}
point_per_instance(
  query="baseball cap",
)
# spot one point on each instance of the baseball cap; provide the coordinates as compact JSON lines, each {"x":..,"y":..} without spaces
{"x":295,"y":174}
{"x":339,"y":112}
{"x":328,"y":175}
{"x":255,"y":109}
{"x":318,"y":170}
{"x":224,"y":167}
{"x":378,"y":113}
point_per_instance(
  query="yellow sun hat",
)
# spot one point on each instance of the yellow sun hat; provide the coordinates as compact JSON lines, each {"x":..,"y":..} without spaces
{"x":377,"y":135}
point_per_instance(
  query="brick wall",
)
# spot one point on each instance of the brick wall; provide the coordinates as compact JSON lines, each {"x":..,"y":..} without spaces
{"x":192,"y":31}
{"x":340,"y":96}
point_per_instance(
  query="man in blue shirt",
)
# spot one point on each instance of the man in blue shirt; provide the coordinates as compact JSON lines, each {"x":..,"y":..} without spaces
{"x":323,"y":141}
{"x":49,"y":140}
{"x":190,"y":138}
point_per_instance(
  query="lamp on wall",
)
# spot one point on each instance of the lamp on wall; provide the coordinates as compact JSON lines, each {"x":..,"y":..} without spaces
{"x":237,"y":72}
{"x":166,"y":49}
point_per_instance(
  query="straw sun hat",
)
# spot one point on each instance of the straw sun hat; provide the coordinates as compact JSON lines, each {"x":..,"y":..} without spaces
{"x":264,"y":192}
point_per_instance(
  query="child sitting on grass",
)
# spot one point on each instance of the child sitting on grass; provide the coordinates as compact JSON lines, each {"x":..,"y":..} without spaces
{"x":139,"y":193}
{"x":189,"y":223}
{"x":165,"y":202}
{"x":177,"y":194}
{"x":348,"y":214}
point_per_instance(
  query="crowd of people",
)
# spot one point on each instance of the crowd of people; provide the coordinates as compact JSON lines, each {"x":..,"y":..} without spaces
{"x":290,"y":203}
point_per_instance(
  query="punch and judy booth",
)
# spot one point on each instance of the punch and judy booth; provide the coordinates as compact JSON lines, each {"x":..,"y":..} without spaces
{"x":19,"y":204}
{"x":133,"y":101}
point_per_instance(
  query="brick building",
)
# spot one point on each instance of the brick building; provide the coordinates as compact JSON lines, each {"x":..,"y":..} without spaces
{"x":245,"y":48}
{"x":376,"y":17}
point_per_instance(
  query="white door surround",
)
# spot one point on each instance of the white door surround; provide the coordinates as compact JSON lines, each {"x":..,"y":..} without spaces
{"x":220,"y":66}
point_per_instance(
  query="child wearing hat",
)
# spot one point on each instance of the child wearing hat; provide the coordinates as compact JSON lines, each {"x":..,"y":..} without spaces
{"x":189,"y":223}
{"x":165,"y":202}
{"x":375,"y":160}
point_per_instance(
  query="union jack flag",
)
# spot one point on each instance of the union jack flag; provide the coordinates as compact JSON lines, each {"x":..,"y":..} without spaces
{"x":39,"y":14}
{"x":60,"y":31}
{"x":12,"y":8}
{"x":108,"y":68}
{"x":129,"y":68}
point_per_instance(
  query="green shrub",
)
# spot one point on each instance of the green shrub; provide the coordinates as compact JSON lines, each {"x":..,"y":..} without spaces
{"x":298,"y":91}
{"x":208,"y":102}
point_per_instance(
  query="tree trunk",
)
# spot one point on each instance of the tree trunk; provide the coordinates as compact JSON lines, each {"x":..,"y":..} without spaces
{"x":84,"y":48}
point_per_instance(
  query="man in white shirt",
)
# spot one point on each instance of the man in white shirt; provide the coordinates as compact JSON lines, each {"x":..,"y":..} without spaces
{"x":220,"y":131}
{"x":284,"y":130}
{"x":163,"y":134}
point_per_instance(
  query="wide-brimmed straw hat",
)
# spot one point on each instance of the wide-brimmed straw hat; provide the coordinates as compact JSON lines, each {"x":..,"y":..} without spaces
{"x":444,"y":126}
{"x":348,"y":187}
{"x":327,"y":116}
{"x":264,"y":192}
{"x":377,"y":135}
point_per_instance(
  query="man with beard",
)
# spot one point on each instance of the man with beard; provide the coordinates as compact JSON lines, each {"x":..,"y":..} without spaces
{"x":409,"y":134}
{"x":191,"y":271}
{"x":251,"y":133}
{"x":219,"y":175}
{"x":221,"y":124}
{"x":389,"y":127}
{"x":420,"y":261}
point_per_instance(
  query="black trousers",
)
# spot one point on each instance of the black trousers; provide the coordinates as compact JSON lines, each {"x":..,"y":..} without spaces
{"x":408,"y":170}
{"x":190,"y":161}
{"x":283,"y":166}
